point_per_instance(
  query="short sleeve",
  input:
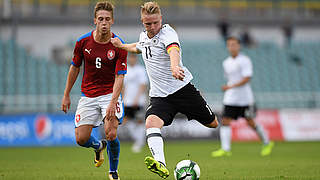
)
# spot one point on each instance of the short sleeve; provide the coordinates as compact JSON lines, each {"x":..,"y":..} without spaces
{"x":246,"y":67}
{"x":170,"y":36}
{"x":121,"y":66}
{"x":77,"y":55}
{"x":139,"y":44}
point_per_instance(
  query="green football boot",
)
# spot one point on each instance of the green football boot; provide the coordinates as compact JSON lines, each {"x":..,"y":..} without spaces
{"x":267,"y":149}
{"x":156,"y":167}
{"x":220,"y":153}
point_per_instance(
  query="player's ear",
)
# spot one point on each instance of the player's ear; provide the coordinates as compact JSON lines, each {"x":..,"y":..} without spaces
{"x":95,"y":21}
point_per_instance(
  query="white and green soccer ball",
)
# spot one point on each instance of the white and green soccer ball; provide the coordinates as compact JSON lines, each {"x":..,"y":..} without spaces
{"x":187,"y":170}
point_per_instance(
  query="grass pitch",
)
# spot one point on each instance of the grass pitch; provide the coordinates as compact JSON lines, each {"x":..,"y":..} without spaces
{"x":289,"y":160}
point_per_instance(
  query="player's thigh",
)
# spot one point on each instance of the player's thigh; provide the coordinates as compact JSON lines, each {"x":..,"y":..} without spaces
{"x":87,"y":112}
{"x":249,"y":112}
{"x":160,"y":107}
{"x":104,"y":102}
{"x":190,"y":102}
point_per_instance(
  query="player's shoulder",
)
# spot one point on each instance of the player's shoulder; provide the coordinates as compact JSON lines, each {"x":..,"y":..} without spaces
{"x":167,"y":29}
{"x":117,"y":36}
{"x":244,"y":57}
{"x":84,"y":36}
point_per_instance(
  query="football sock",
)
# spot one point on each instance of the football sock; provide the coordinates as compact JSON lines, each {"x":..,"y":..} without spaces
{"x":140,"y":138}
{"x":92,"y":142}
{"x":113,"y":149}
{"x":225,"y":137}
{"x":155,"y":143}
{"x":131,"y":127}
{"x":262,"y":134}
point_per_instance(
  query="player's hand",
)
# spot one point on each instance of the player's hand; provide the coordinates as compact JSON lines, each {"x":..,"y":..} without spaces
{"x":65,"y":104}
{"x":116,"y":42}
{"x":225,"y":87}
{"x":111,"y":111}
{"x":178,"y":72}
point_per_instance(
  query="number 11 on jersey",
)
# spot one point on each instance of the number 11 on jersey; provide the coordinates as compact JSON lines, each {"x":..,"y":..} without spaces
{"x":148,"y":51}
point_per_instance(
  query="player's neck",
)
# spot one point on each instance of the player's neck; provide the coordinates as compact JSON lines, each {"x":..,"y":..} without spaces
{"x":102,"y":38}
{"x":234,"y":55}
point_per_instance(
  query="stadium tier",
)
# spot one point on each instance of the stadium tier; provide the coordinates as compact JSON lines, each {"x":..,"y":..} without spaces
{"x":284,"y":77}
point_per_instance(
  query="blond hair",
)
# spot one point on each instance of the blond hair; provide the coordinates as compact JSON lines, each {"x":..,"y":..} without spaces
{"x":107,"y":6}
{"x":151,"y":7}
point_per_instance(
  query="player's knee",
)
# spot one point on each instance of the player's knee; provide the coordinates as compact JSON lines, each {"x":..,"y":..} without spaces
{"x":112,"y":135}
{"x":81,"y":141}
{"x":214,"y":123}
{"x":154,"y":121}
{"x":226,"y":121}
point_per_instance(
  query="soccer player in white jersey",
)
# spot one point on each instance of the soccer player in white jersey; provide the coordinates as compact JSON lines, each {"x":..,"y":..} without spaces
{"x":170,"y":88}
{"x":134,"y":97}
{"x":238,"y":99}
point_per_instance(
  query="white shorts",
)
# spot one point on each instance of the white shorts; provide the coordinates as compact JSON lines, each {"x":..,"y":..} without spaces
{"x":93,"y":110}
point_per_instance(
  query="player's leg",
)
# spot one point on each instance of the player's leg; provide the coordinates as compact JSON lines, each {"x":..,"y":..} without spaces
{"x":140,"y":130}
{"x":86,"y":118}
{"x":157,"y":163}
{"x":85,"y":139}
{"x":113,"y":147}
{"x":189,"y":101}
{"x":111,"y":127}
{"x":249,"y":115}
{"x":136,"y":127}
{"x":225,"y":139}
{"x":267,"y":144}
{"x":140,"y":136}
{"x":159,"y":113}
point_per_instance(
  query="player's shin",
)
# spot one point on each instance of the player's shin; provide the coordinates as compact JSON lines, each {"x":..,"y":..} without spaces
{"x":155,"y":143}
{"x":113,"y":148}
{"x":92,"y":142}
{"x":225,"y":136}
{"x":262,"y":134}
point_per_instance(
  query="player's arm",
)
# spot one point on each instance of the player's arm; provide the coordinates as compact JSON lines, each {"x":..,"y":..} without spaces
{"x":71,"y":79}
{"x":174,"y":53}
{"x":117,"y":88}
{"x":244,"y":81}
{"x":127,"y":47}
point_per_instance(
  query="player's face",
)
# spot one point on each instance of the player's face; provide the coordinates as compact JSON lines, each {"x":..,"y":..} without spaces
{"x":103,"y":21}
{"x":152,"y":23}
{"x":233,"y":47}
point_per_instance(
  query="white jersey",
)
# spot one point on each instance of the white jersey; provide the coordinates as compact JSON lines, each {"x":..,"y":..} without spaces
{"x":157,"y":61}
{"x":134,"y":78}
{"x":235,"y":69}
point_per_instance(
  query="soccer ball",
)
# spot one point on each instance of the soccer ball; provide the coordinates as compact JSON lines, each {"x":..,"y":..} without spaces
{"x":187,"y":170}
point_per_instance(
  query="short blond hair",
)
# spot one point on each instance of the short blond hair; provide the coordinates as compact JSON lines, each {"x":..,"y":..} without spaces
{"x":106,"y":5}
{"x":151,"y":7}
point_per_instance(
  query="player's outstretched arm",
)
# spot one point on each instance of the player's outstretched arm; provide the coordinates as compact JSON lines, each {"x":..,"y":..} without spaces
{"x":128,"y":47}
{"x":177,"y":71}
{"x":244,"y":81}
{"x":71,"y":79}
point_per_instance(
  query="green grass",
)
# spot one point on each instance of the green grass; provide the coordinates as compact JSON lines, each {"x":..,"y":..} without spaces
{"x":289,"y":160}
